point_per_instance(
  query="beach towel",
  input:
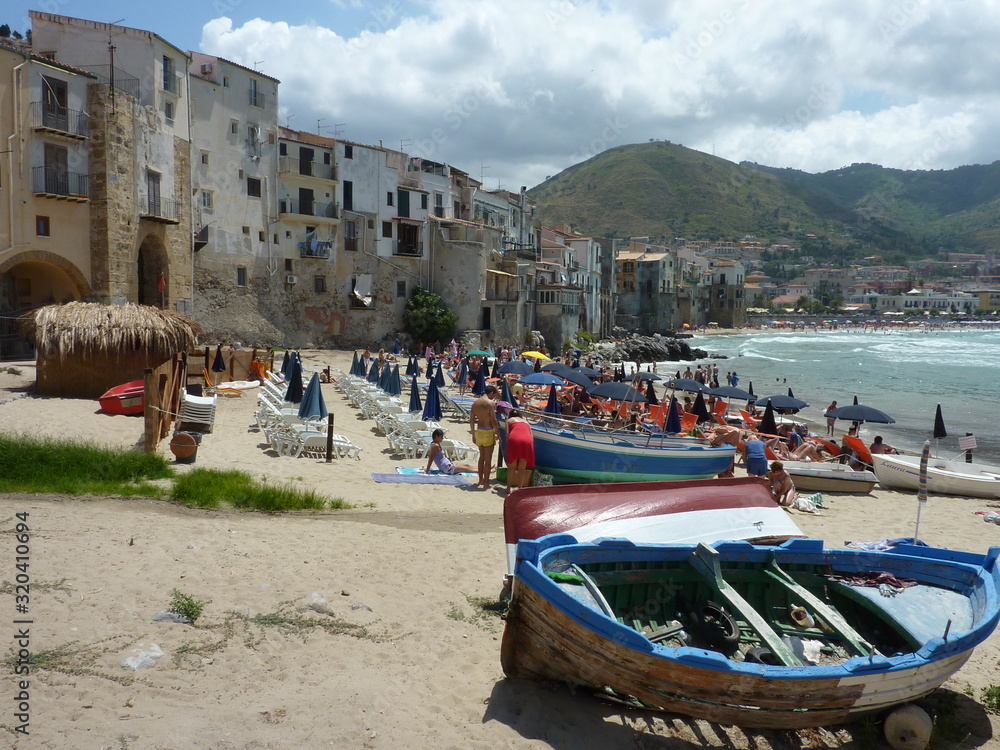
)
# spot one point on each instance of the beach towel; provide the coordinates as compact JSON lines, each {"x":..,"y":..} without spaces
{"x":415,"y":471}
{"x":453,"y":480}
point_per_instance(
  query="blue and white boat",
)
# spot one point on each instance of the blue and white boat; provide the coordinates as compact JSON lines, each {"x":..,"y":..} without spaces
{"x":789,"y":636}
{"x":589,"y":456}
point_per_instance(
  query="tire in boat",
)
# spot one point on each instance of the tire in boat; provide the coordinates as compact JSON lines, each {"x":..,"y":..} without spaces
{"x":716,"y":626}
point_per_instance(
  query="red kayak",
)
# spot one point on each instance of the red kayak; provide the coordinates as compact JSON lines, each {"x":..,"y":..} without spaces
{"x":127,"y":398}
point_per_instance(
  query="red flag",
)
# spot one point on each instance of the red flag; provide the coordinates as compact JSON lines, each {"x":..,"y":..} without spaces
{"x":162,"y":284}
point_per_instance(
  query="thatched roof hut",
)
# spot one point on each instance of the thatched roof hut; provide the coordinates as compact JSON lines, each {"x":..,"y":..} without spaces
{"x":85,"y":348}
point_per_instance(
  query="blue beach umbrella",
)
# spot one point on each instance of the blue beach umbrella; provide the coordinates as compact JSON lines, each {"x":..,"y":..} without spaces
{"x":432,"y":406}
{"x":373,"y":373}
{"x":515,"y":367}
{"x":284,"y":364}
{"x":552,"y":405}
{"x":354,"y":364}
{"x":651,"y":398}
{"x":505,"y":393}
{"x":395,"y":386}
{"x":479,"y":387}
{"x":415,"y":404}
{"x":294,"y":393}
{"x":701,"y":409}
{"x":313,"y":406}
{"x":383,"y":377}
{"x":411,"y":367}
{"x":767,"y":424}
{"x":439,"y":376}
{"x":541,"y":378}
{"x":672,"y":424}
{"x":219,"y":365}
{"x":495,"y":373}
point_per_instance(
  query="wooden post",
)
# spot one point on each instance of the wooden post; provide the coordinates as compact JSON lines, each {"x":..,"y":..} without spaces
{"x":151,"y":415}
{"x":329,"y":437}
{"x":968,"y":453}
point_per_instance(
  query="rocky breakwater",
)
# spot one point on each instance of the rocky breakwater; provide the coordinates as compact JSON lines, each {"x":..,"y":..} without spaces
{"x":655,"y":348}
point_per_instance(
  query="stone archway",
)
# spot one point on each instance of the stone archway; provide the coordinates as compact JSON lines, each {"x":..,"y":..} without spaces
{"x":152,"y":264}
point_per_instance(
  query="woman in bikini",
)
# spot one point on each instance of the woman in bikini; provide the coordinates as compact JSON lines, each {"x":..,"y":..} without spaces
{"x":444,"y":464}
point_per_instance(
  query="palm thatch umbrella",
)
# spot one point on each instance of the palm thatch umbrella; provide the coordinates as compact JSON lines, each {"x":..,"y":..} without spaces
{"x":85,"y":348}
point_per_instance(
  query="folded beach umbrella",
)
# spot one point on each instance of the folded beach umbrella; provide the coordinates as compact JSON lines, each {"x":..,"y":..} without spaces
{"x":383,"y":377}
{"x":373,"y":373}
{"x":767,"y":424}
{"x":505,"y":393}
{"x":552,"y":406}
{"x":651,"y":398}
{"x":701,"y":409}
{"x":538,"y":365}
{"x":394,"y":382}
{"x":750,"y":391}
{"x":395,"y":347}
{"x":312,"y":405}
{"x":432,"y":406}
{"x":463,"y":373}
{"x":515,"y":367}
{"x":479,"y":387}
{"x":495,"y":373}
{"x":294,"y":393}
{"x":411,"y":367}
{"x":284,"y":365}
{"x":219,"y":365}
{"x":790,"y":394}
{"x":415,"y":404}
{"x":354,"y":363}
{"x":439,"y":376}
{"x":672,"y":424}
{"x":939,"y":430}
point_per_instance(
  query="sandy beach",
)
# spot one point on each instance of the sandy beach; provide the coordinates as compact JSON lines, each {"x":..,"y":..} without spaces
{"x":359,"y":628}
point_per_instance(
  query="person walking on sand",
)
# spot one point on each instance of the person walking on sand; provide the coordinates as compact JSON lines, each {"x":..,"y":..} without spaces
{"x":484,"y":427}
{"x":520,"y":450}
{"x":830,"y":421}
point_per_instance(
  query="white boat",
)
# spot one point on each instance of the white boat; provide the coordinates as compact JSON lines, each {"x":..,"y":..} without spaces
{"x":822,"y":476}
{"x":944,"y":476}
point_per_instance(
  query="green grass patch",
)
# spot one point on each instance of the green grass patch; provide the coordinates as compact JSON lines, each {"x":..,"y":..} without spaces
{"x":206,"y":488}
{"x":67,"y":467}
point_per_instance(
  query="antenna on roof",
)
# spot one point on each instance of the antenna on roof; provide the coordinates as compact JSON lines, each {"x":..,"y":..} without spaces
{"x":482,"y":171}
{"x":288,"y":121}
{"x":403,"y":143}
{"x":338,"y":129}
{"x":111,"y":52}
{"x":258,"y":62}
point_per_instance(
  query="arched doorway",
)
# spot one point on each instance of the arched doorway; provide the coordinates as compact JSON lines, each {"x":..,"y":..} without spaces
{"x":152,"y":265}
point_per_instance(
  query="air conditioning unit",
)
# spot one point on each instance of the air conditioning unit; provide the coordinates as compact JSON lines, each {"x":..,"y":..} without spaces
{"x":206,"y":69}
{"x":291,"y":279}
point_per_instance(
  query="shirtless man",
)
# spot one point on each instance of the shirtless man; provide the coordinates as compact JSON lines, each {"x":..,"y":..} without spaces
{"x":484,"y":428}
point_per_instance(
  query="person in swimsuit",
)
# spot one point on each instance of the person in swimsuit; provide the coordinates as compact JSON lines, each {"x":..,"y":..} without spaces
{"x":484,"y":428}
{"x":436,"y":456}
{"x":520,"y":450}
{"x":781,"y":484}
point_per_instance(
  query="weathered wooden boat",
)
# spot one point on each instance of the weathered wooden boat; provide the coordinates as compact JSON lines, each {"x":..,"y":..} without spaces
{"x":785,"y":637}
{"x":683,"y":512}
{"x":944,"y":476}
{"x":822,"y":476}
{"x":583,"y":455}
{"x":127,"y":398}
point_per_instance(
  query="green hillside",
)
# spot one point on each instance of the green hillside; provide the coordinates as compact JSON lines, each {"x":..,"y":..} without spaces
{"x":663,"y":190}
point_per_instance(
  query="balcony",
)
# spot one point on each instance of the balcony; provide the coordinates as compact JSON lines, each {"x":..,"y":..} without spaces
{"x":56,"y":120}
{"x":169,"y":82}
{"x":54,"y":182}
{"x":256,"y":98}
{"x":291,"y":165}
{"x":408,"y":249}
{"x":159,"y":210}
{"x":201,"y":238}
{"x":309,"y":208}
{"x":315,"y":249}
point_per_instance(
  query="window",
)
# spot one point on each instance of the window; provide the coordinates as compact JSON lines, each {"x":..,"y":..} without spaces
{"x":319,"y":284}
{"x":348,"y":195}
{"x":206,"y":199}
{"x":204,"y":158}
{"x":168,"y":110}
{"x":326,"y":157}
{"x":350,"y":235}
{"x":241,"y":275}
{"x":246,"y":230}
{"x":234,"y":127}
{"x":423,"y":201}
{"x":253,"y":187}
{"x":288,"y":265}
{"x":42,"y":226}
{"x":388,"y":198}
{"x":225,"y":82}
{"x":288,"y":234}
{"x":348,"y":151}
{"x":282,"y":149}
{"x":256,"y":100}
{"x":275,"y":239}
{"x":439,"y":205}
{"x":169,"y":82}
{"x":270,"y":137}
{"x":387,"y":229}
{"x":260,"y":236}
{"x":401,"y":289}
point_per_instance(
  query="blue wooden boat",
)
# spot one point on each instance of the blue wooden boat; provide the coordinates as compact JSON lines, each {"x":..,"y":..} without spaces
{"x":786,"y":636}
{"x":588,"y":455}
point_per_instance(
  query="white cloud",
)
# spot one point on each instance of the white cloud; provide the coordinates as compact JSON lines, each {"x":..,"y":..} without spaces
{"x":530,"y":87}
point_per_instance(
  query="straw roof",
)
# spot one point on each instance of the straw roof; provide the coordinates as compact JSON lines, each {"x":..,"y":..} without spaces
{"x":85,"y":328}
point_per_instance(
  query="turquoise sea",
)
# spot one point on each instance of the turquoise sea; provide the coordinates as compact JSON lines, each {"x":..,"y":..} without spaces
{"x":904,"y":373}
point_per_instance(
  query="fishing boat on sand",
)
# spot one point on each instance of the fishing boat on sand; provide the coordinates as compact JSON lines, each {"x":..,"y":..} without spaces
{"x":589,"y":455}
{"x":127,"y":398}
{"x":684,"y":512}
{"x":944,"y":476}
{"x":786,"y":637}
{"x":823,"y":476}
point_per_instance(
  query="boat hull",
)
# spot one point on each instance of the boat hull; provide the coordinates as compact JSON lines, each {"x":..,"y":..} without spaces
{"x":572,"y":457}
{"x":944,"y":477}
{"x":127,"y":398}
{"x":551,"y":634}
{"x":826,"y":477}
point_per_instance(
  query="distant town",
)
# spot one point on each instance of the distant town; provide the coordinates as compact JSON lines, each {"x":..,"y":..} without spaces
{"x":134,"y":171}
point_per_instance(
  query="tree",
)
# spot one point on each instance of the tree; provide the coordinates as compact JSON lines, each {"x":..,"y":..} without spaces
{"x":427,"y":318}
{"x":5,"y":31}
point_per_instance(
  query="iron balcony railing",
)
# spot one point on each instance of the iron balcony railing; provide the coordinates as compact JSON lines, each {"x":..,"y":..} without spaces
{"x":57,"y":181}
{"x":409,"y":249}
{"x":159,"y":209}
{"x":53,"y":117}
{"x":256,"y":98}
{"x":309,"y":208}
{"x":292,"y":165}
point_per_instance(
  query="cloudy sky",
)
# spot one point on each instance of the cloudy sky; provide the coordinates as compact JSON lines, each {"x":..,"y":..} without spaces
{"x":517,"y":90}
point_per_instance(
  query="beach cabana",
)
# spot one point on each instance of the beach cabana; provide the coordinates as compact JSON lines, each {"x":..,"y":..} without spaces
{"x":86,"y":348}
